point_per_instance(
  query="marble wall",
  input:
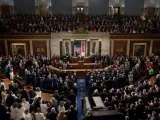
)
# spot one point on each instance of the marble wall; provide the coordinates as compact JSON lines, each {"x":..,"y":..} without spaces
{"x":68,"y":37}
{"x":55,"y":44}
{"x":106,"y":45}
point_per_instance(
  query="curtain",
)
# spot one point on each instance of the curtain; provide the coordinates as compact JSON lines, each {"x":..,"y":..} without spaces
{"x":98,"y":6}
{"x":62,"y":6}
{"x":24,"y":6}
{"x":134,"y":7}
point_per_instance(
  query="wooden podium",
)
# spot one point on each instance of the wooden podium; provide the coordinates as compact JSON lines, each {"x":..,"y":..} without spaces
{"x":85,"y":59}
{"x":81,"y":64}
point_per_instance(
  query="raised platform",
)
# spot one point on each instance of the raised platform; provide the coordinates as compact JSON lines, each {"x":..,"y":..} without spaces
{"x":82,"y":65}
{"x":80,"y":72}
{"x":85,"y":59}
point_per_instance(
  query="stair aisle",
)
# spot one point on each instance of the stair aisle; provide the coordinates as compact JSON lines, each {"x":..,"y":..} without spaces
{"x":80,"y":94}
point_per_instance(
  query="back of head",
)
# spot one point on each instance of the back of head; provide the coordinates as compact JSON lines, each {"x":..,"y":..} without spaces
{"x":72,"y":107}
{"x":19,"y":105}
{"x":38,"y":89}
{"x":26,"y":111}
{"x":15,"y":105}
{"x":38,"y":110}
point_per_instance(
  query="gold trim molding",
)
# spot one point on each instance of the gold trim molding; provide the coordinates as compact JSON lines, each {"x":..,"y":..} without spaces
{"x":14,"y":44}
{"x":134,"y":45}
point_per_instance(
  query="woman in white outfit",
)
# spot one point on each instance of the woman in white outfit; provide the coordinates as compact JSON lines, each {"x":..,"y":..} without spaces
{"x":44,"y":108}
{"x":61,"y":106}
{"x":39,"y":115}
{"x":14,"y":111}
{"x":38,"y":92}
{"x":25,"y":104}
{"x":27,"y":115}
{"x":20,"y":112}
{"x":11,"y":74}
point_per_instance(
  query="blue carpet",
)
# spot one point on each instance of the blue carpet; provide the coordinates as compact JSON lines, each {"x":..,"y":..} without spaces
{"x":80,"y":94}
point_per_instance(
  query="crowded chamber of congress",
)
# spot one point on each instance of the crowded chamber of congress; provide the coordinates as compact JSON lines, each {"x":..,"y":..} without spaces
{"x":80,"y":59}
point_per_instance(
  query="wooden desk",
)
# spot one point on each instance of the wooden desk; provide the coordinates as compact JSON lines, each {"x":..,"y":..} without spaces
{"x":85,"y":59}
{"x":80,"y":72}
{"x":82,"y":65}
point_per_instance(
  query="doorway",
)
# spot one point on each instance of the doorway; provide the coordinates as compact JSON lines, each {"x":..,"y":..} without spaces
{"x":151,"y":11}
{"x":80,"y":9}
{"x":116,"y":10}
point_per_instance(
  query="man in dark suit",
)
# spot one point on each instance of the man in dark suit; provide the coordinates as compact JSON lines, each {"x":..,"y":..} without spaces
{"x":3,"y":111}
{"x":52,"y":115}
{"x":10,"y":100}
{"x":140,"y":109}
{"x":24,"y":94}
{"x":103,"y":95}
{"x":72,"y":98}
{"x":56,"y":95}
{"x":72,"y":113}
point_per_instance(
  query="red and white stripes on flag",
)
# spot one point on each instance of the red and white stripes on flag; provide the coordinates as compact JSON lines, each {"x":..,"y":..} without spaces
{"x":83,"y":46}
{"x":80,"y":47}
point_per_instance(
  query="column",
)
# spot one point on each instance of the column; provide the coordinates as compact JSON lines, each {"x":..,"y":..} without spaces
{"x":72,"y":47}
{"x":88,"y":47}
{"x":61,"y":47}
{"x":128,"y":47}
{"x":31,"y":47}
{"x":6,"y":47}
{"x":86,"y":7}
{"x":112,"y":47}
{"x":100,"y":40}
{"x":48,"y":48}
{"x":151,"y":47}
{"x":73,"y":7}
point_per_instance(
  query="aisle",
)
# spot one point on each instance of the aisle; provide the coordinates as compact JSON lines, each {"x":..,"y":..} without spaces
{"x":80,"y":94}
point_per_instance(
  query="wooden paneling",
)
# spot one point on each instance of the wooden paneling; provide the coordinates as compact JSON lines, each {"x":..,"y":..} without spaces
{"x":6,"y":9}
{"x":18,"y":41}
{"x":40,"y":47}
{"x":156,"y":46}
{"x":139,"y":41}
{"x":2,"y":48}
{"x":120,"y":47}
{"x":151,"y":11}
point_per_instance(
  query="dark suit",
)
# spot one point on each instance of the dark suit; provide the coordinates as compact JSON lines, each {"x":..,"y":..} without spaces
{"x":72,"y":115}
{"x":72,"y":98}
{"x":3,"y":112}
{"x":24,"y":94}
{"x":10,"y":100}
{"x":52,"y":116}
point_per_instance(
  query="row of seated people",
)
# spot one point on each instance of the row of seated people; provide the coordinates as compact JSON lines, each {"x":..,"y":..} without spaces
{"x":19,"y":102}
{"x":122,"y":24}
{"x":136,"y":101}
{"x":67,"y":23}
{"x":36,"y":23}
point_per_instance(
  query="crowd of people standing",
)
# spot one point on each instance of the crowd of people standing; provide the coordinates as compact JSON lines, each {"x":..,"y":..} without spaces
{"x":21,"y":103}
{"x":114,"y":85}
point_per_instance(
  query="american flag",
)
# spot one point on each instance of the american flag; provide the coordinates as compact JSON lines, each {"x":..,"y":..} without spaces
{"x":80,"y":46}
